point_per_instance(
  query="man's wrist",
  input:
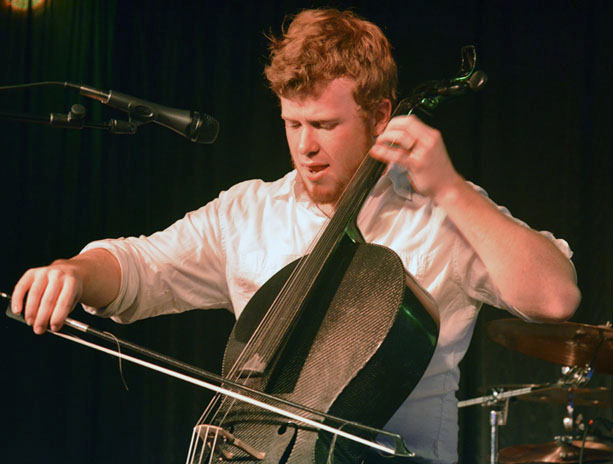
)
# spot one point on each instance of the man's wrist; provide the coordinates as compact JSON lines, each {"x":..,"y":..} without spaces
{"x":450,"y":193}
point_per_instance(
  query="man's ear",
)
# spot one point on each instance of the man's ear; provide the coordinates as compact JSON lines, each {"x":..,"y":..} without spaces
{"x":381,"y":116}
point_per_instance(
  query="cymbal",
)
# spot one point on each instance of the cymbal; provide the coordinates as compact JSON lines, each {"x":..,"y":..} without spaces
{"x":593,"y":445}
{"x":568,"y":343}
{"x":551,"y":452}
{"x":596,"y":396}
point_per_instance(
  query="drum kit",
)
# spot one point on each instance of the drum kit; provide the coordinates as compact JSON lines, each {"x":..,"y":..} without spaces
{"x":582,"y":350}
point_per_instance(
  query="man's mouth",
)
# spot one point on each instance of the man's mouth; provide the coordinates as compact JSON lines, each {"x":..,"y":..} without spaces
{"x":315,"y":172}
{"x":317,"y":168}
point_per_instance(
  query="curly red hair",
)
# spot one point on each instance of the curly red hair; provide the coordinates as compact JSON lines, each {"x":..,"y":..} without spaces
{"x":321,"y":45}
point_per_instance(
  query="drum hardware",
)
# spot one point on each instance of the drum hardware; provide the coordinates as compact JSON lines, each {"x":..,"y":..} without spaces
{"x":574,"y":376}
{"x":565,"y":449}
{"x":569,"y":344}
{"x":592,"y":443}
{"x":561,"y":392}
{"x":556,"y":394}
{"x":589,"y":444}
{"x":498,"y":402}
{"x":498,"y":418}
{"x":562,"y":450}
{"x":581,"y":349}
{"x":569,"y":420}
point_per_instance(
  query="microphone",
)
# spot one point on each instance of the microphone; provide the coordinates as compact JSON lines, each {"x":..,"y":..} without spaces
{"x":197,"y":127}
{"x":449,"y":87}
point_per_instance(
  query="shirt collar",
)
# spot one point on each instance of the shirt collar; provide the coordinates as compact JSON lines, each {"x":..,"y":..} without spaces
{"x":396,"y":174}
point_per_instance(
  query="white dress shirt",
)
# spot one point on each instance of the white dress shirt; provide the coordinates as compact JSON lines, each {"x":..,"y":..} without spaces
{"x":219,"y":255}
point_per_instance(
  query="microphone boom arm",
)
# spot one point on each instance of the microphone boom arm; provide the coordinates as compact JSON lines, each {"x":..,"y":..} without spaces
{"x":197,"y":127}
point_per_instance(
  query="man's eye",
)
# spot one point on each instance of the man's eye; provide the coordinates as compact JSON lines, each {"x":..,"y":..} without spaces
{"x":326,"y":125}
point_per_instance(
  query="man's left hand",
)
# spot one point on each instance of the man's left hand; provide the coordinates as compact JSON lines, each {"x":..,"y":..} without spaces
{"x":419,"y":148}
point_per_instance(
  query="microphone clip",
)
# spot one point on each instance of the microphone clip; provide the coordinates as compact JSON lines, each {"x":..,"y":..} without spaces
{"x":75,"y":119}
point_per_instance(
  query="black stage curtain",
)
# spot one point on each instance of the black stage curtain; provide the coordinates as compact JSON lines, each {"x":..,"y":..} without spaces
{"x":538,"y":139}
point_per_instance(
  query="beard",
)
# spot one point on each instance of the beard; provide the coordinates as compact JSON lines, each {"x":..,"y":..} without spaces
{"x":329,"y":190}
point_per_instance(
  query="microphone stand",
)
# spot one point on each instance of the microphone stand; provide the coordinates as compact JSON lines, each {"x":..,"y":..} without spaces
{"x":75,"y":119}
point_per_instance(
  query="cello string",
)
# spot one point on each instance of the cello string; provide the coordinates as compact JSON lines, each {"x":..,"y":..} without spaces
{"x":213,"y":445}
{"x":317,"y":261}
{"x":268,"y":320}
{"x":307,"y":265}
{"x":284,"y":297}
{"x":229,"y":405}
{"x":303,"y":263}
{"x":269,"y":324}
{"x":375,"y":173}
{"x":297,"y":294}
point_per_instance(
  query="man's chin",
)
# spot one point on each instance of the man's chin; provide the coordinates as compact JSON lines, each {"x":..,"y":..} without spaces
{"x":323,"y":196}
{"x":320,"y":193}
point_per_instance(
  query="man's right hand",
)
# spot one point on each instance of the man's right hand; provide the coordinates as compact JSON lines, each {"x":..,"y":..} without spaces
{"x":52,"y":292}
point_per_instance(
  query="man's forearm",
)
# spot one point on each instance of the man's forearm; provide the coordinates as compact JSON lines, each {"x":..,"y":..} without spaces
{"x":101,"y":276}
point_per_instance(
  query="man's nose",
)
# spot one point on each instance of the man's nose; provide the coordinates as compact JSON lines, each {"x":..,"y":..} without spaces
{"x":307,"y":144}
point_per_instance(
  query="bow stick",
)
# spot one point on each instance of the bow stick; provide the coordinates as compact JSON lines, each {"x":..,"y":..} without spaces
{"x":399,"y":449}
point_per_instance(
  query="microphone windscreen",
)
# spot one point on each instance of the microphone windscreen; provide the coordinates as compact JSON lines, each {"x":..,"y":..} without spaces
{"x":205,"y":128}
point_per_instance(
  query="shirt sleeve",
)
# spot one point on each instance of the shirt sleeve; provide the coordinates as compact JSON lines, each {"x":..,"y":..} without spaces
{"x":171,"y":271}
{"x":473,"y":276}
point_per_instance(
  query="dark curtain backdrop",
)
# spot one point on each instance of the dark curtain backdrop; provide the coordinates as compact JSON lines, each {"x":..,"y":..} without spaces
{"x":538,"y":138}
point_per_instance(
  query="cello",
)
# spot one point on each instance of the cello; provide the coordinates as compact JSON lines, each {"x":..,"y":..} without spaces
{"x":328,"y":332}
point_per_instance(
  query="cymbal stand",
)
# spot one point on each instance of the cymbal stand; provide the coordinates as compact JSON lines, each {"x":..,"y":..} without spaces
{"x":498,"y":417}
{"x":498,"y":402}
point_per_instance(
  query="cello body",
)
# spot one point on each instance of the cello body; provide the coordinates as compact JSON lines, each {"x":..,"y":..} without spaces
{"x":361,"y":344}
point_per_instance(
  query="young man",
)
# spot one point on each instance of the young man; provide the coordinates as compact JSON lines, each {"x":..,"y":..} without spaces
{"x":336,"y":81}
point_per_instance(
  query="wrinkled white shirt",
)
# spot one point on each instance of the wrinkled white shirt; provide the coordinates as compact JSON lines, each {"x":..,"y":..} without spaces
{"x":220,"y":254}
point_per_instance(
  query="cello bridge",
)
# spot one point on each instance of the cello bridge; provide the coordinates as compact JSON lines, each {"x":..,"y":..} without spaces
{"x":217,"y":438}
